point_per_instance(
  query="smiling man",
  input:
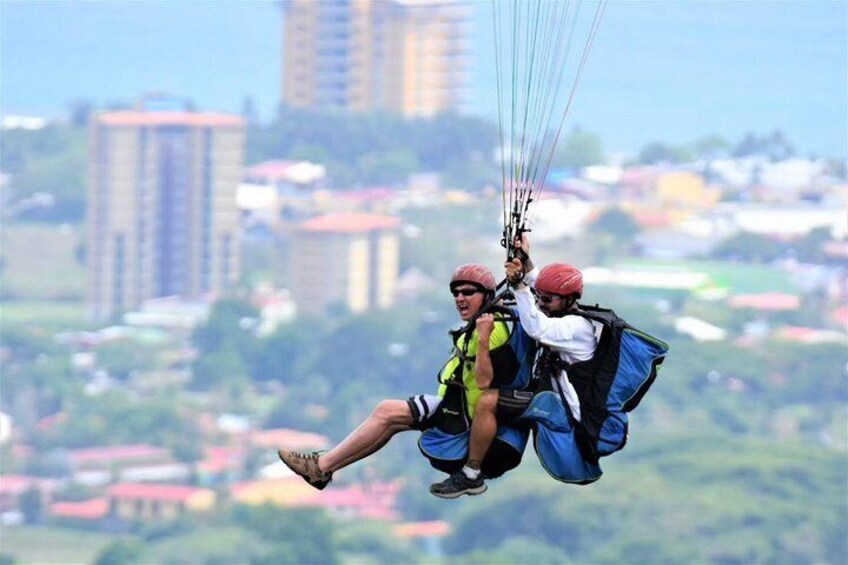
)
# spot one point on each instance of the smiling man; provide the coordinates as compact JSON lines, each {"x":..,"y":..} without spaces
{"x":470,"y":364}
{"x":546,"y":302}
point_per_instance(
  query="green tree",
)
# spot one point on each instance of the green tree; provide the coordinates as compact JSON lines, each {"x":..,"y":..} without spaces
{"x":376,"y":148}
{"x":312,"y":529}
{"x":661,"y":153}
{"x":617,"y":223}
{"x":516,"y":549}
{"x":287,"y":354}
{"x":80,"y":112}
{"x":749,"y":247}
{"x":774,"y":146}
{"x":229,"y":320}
{"x":52,"y":161}
{"x":223,"y":366}
{"x":120,"y":552}
{"x":122,"y":357}
{"x":711,"y":146}
{"x":32,"y":506}
{"x":578,"y":149}
{"x":226,"y":344}
{"x":389,"y":166}
{"x":810,"y":248}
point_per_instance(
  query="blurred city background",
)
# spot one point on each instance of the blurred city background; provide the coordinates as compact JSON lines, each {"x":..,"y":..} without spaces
{"x":229,"y":226}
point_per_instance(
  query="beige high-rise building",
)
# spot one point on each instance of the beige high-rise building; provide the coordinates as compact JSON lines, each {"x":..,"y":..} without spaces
{"x":408,"y":57}
{"x":347,"y":260}
{"x":162,"y":217}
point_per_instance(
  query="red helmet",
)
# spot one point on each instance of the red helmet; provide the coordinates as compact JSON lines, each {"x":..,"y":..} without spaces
{"x":561,"y":279}
{"x":473,"y":273}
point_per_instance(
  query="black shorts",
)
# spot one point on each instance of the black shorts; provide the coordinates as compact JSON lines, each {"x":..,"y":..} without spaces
{"x":423,"y":408}
{"x":511,"y":404}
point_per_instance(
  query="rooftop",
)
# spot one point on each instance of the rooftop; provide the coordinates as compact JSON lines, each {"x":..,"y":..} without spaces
{"x":350,"y":223}
{"x":292,"y":439}
{"x":93,"y":509}
{"x":136,"y":118}
{"x":280,"y":170}
{"x":178,"y":493}
{"x":118,"y":452}
{"x":430,"y":529}
{"x":772,"y":301}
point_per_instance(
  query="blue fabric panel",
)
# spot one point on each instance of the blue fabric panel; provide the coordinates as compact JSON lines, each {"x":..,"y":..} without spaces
{"x":516,"y":438}
{"x":634,"y":368}
{"x":435,"y":443}
{"x":613,"y":433}
{"x":546,"y":409}
{"x":522,"y":344}
{"x":555,"y":443}
{"x":561,"y":458}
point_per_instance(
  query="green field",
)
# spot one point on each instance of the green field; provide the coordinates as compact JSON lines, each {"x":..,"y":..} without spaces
{"x":31,"y":544}
{"x":39,"y":262}
{"x":51,"y":314}
{"x":740,"y":278}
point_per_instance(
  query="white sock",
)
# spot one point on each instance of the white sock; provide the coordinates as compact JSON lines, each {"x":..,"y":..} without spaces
{"x":471,"y":473}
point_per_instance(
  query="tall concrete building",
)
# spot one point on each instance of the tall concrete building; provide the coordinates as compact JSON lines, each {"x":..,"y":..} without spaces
{"x":347,"y":260}
{"x":162,"y":217}
{"x":408,"y":57}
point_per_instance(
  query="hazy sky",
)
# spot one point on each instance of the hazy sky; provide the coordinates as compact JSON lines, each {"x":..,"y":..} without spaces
{"x":667,"y":71}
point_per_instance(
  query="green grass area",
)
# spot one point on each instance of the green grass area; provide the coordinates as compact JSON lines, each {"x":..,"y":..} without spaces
{"x":741,"y":278}
{"x":31,"y":544}
{"x":39,"y":262}
{"x":50,"y":314}
{"x":223,"y":544}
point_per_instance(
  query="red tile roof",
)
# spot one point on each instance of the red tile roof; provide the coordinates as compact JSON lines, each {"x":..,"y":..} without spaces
{"x":771,"y":301}
{"x":350,"y":223}
{"x":16,"y":484}
{"x":292,"y":439}
{"x":93,"y":509}
{"x":349,"y":497}
{"x":431,"y":529}
{"x":219,"y":459}
{"x":840,"y":315}
{"x":837,"y":249}
{"x":367,"y":195}
{"x":651,"y":218}
{"x":178,"y":493}
{"x":376,"y":500}
{"x":118,"y":453}
{"x":270,"y":170}
{"x":800,"y":334}
{"x":198,"y":119}
{"x":51,"y":421}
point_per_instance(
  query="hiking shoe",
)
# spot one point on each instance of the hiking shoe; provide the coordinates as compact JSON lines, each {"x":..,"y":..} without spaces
{"x":457,"y":485}
{"x":306,"y":465}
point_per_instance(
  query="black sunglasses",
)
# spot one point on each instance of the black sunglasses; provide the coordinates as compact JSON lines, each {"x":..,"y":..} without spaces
{"x":546,"y":298}
{"x":464,"y":291}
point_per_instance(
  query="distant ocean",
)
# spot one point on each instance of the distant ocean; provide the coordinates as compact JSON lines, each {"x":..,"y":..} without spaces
{"x":660,"y":71}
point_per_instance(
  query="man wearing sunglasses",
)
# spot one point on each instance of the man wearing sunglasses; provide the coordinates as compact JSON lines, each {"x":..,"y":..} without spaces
{"x":545,"y":301}
{"x":472,"y":286}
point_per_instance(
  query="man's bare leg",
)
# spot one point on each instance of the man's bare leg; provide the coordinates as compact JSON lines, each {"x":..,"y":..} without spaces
{"x":484,"y":428}
{"x":387,"y":419}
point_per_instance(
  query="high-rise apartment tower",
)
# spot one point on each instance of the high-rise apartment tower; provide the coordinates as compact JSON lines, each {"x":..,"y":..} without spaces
{"x":162,"y":217}
{"x":408,"y":57}
{"x":347,"y":261}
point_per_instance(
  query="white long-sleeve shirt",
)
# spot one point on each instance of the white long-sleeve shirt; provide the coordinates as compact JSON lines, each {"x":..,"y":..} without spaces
{"x":575,"y":338}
